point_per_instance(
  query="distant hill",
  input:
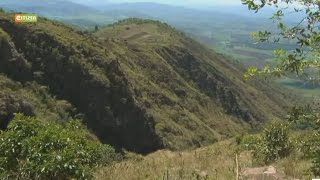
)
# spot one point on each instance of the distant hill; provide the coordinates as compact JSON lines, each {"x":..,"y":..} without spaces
{"x":67,"y":11}
{"x":58,"y":7}
{"x":224,"y":28}
{"x":138,"y":84}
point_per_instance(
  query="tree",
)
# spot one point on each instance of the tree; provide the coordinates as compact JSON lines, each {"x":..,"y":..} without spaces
{"x":33,"y":149}
{"x":276,"y":141}
{"x":301,"y":60}
{"x":305,"y":33}
{"x":271,"y":145}
{"x":96,"y":28}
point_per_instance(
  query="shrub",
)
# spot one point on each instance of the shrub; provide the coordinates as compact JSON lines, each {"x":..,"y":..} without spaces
{"x":306,"y":142}
{"x":316,"y":163}
{"x":31,"y":149}
{"x":276,"y":139}
{"x":250,"y":142}
{"x":3,"y":35}
{"x":273,"y":145}
{"x":309,"y":145}
{"x":254,"y":143}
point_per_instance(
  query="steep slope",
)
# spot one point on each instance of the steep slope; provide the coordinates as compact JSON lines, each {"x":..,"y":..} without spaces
{"x":28,"y":98}
{"x":199,"y":92}
{"x":202,"y":163}
{"x":140,"y":85}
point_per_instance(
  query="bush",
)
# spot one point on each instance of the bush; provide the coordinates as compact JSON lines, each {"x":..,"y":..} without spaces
{"x":250,"y":142}
{"x":309,"y":144}
{"x":316,"y":163}
{"x":254,"y":143}
{"x":274,"y":143}
{"x":31,"y":149}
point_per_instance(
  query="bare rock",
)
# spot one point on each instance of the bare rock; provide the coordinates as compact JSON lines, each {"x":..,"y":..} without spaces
{"x":262,"y":173}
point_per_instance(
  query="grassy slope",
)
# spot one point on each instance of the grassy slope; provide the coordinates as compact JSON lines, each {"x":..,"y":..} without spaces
{"x":76,"y":68}
{"x":142,"y":90}
{"x":150,"y":36}
{"x":30,"y":98}
{"x":215,"y":162}
{"x":177,"y":118}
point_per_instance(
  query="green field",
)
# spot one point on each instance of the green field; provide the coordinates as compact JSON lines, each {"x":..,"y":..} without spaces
{"x":297,"y":87}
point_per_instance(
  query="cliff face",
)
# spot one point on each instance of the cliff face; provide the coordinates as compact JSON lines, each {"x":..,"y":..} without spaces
{"x":95,"y":85}
{"x":140,"y":84}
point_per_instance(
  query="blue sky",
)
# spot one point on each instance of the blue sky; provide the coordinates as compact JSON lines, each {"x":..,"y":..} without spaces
{"x":188,"y":2}
{"x":201,"y":2}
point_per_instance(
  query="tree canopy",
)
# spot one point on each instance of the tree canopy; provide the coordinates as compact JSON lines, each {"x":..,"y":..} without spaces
{"x":305,"y":59}
{"x":305,"y":34}
{"x":32,"y":149}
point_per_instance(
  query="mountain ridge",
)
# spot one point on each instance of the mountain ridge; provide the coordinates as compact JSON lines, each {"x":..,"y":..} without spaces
{"x":161,"y":91}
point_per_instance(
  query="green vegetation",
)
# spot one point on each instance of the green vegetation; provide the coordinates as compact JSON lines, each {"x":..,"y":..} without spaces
{"x":3,"y":35}
{"x":220,"y":29}
{"x":295,"y":139}
{"x":145,"y":37}
{"x":143,"y":86}
{"x":217,"y":161}
{"x":138,"y":84}
{"x":272,"y":145}
{"x":304,"y":57}
{"x":30,"y":99}
{"x":33,"y":149}
{"x":213,"y":162}
{"x":293,"y":152}
{"x":302,"y":60}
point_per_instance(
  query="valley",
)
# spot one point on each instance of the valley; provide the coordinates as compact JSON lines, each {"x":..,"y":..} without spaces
{"x":219,"y":28}
{"x":171,"y":86}
{"x":149,"y":91}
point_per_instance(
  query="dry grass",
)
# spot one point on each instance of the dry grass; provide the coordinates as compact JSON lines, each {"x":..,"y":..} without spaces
{"x":295,"y":167}
{"x":213,"y":162}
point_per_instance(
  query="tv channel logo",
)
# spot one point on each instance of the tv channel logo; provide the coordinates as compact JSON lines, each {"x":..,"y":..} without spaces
{"x":26,"y":18}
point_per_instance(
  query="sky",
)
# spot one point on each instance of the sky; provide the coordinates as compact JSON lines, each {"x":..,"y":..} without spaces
{"x":171,"y":2}
{"x":196,"y":2}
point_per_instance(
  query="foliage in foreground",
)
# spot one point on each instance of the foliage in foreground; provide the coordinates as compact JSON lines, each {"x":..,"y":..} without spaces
{"x":304,"y":60}
{"x":31,"y":149}
{"x":281,"y":139}
{"x":305,"y":33}
{"x":272,"y":145}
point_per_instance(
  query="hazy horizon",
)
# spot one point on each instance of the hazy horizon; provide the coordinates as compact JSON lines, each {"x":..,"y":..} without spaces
{"x":169,"y":2}
{"x":186,"y":2}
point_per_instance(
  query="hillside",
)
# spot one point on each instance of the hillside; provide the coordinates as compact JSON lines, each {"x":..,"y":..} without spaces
{"x":217,"y":161}
{"x":222,"y":28}
{"x":138,"y":84}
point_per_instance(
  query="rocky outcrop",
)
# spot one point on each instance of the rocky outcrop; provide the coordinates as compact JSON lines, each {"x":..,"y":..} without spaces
{"x":105,"y":99}
{"x":213,"y":83}
{"x":11,"y":104}
{"x":263,"y":173}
